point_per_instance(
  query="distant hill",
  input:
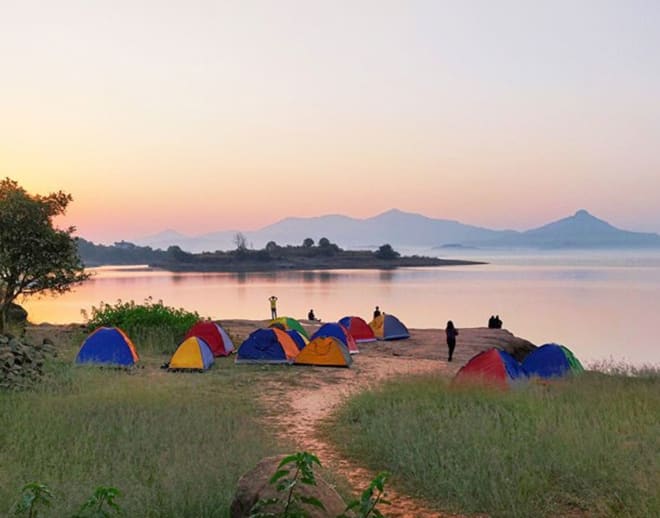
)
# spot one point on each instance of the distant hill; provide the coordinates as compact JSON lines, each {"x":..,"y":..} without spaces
{"x":582,"y":230}
{"x":404,"y":229}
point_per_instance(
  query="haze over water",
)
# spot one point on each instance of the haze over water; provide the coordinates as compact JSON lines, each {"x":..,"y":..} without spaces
{"x":601,"y":304}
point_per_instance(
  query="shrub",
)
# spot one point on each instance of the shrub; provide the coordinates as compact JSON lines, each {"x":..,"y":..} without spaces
{"x":153,"y":325}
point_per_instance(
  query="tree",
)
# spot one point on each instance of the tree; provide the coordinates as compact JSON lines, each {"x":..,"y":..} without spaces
{"x":308,"y":242}
{"x":272,"y":246}
{"x":386,"y":252}
{"x":240,"y":241}
{"x":324,"y":242}
{"x":35,"y":257}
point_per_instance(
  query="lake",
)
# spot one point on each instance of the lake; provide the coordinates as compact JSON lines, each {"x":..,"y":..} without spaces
{"x":602,"y":305}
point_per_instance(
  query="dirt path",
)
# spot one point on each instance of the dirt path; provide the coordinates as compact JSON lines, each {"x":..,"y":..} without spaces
{"x":318,"y":392}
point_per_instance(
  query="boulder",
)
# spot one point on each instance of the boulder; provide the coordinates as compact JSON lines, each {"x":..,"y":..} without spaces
{"x":16,"y":314}
{"x":21,"y":364}
{"x":254,"y":486}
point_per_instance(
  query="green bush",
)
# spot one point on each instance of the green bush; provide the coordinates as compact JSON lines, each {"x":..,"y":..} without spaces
{"x":151,"y":325}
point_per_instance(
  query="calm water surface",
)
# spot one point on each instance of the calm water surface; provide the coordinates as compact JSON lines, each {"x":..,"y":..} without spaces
{"x":602,"y":305}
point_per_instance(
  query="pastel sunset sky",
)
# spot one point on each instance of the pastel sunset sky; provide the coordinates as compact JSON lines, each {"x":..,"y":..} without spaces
{"x":212,"y":115}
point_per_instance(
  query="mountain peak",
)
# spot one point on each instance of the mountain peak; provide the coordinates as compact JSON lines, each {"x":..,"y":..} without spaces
{"x":582,"y":213}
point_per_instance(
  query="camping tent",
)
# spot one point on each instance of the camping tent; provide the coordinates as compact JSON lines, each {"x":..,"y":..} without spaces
{"x":193,"y":353}
{"x":340,"y":333}
{"x":108,"y":345}
{"x":358,"y":329}
{"x":388,"y":327}
{"x":551,"y":360}
{"x":267,"y":346}
{"x":289,"y":323}
{"x":326,"y":351}
{"x":299,"y":339}
{"x":215,"y":337}
{"x":493,"y":367}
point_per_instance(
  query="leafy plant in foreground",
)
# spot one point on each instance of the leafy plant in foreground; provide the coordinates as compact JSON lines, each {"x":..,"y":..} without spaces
{"x":370,"y":499}
{"x":292,"y":502}
{"x":94,"y":507}
{"x":33,"y":496}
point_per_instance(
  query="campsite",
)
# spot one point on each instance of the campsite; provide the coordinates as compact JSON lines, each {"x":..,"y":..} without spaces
{"x":178,"y":439}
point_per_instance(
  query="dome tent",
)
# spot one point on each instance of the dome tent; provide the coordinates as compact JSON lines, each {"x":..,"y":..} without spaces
{"x":340,"y":333}
{"x":299,"y":339}
{"x":193,"y":354}
{"x":388,"y":327}
{"x":289,"y":323}
{"x":325,"y":351}
{"x":214,"y":335}
{"x":358,"y":329}
{"x":267,"y":346}
{"x":491,"y":367}
{"x":108,"y":346}
{"x":551,"y":361}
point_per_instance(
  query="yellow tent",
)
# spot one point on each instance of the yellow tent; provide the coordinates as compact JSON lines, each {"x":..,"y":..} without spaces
{"x":193,"y":353}
{"x":326,"y":351}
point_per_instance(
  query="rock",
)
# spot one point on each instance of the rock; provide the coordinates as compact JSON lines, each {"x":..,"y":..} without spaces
{"x":254,"y":485}
{"x":21,"y":364}
{"x":16,"y":314}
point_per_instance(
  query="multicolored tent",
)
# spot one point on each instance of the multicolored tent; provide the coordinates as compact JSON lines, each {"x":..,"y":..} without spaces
{"x":215,"y":337}
{"x":550,"y":361}
{"x":267,"y":346}
{"x":340,"y":333}
{"x":358,"y":329}
{"x":388,"y":327}
{"x":299,"y":339}
{"x":491,"y":367}
{"x":193,"y":354}
{"x":325,"y":351}
{"x":108,"y":346}
{"x":290,"y":323}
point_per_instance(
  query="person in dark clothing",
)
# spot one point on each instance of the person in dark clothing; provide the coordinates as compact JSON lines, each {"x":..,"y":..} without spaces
{"x":491,"y":322}
{"x":311,"y":315}
{"x":497,"y":322}
{"x":376,"y":312}
{"x":452,"y":333}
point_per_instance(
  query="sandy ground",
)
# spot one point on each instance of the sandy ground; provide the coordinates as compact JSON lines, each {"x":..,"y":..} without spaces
{"x":300,"y":409}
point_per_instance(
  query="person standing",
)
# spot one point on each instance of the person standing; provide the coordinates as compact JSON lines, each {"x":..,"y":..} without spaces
{"x":273,"y":307}
{"x":452,"y":333}
{"x":376,"y":312}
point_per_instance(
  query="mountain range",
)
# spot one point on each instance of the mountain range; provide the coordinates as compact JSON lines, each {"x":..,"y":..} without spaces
{"x":404,"y":229}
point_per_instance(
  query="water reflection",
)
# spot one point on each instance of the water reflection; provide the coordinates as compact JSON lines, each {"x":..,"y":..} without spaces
{"x":597,"y":310}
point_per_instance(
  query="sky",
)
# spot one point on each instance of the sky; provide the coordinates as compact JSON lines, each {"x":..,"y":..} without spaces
{"x":211,"y":115}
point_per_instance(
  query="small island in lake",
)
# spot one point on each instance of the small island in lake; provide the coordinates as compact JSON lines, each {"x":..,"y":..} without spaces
{"x":323,"y":255}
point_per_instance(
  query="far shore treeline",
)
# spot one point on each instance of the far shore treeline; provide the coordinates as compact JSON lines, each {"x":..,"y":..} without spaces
{"x":308,"y":255}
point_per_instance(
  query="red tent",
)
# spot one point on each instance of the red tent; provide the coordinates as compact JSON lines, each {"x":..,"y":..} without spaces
{"x":358,"y":329}
{"x":492,"y":367}
{"x":216,"y":337}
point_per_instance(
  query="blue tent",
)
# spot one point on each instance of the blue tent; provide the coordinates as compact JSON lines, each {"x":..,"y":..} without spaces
{"x":550,"y":361}
{"x":339,"y":332}
{"x":388,"y":327}
{"x":297,"y":338}
{"x":108,"y":346}
{"x":267,"y":346}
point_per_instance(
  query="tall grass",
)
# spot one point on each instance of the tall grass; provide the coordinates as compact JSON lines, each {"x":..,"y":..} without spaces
{"x":174,"y":444}
{"x":589,"y":444}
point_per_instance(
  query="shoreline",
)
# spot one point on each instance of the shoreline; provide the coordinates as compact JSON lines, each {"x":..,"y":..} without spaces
{"x":258,"y":267}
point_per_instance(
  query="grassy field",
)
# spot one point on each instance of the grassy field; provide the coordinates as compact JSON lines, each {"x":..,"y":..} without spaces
{"x":174,"y":444}
{"x":588,"y":445}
